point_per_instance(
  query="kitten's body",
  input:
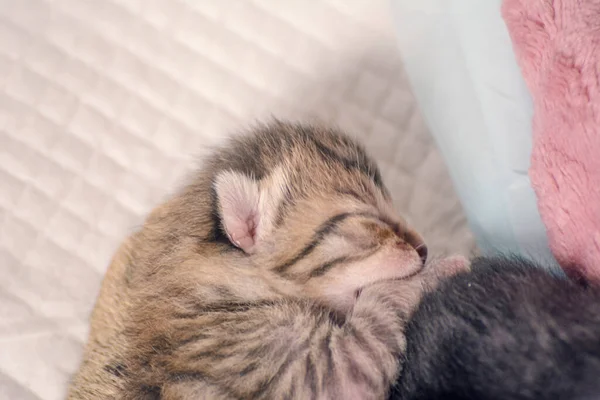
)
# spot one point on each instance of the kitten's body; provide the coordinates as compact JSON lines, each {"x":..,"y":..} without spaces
{"x":281,"y":271}
{"x":506,"y":330}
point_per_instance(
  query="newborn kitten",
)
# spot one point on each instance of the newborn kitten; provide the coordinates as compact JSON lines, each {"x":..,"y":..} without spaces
{"x":506,"y":330}
{"x":280,"y":271}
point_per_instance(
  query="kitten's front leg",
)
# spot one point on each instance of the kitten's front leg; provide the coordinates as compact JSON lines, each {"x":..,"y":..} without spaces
{"x":292,"y":349}
{"x":283,"y":350}
{"x":380,"y":314}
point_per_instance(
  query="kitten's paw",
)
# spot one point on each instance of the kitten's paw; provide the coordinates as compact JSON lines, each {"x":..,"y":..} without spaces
{"x":444,"y":268}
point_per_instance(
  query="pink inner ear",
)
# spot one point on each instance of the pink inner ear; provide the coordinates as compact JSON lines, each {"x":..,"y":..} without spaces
{"x":238,"y":200}
{"x":241,"y":232}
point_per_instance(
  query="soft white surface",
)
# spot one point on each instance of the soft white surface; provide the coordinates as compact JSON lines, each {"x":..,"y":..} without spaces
{"x":103,"y":104}
{"x":460,"y":62}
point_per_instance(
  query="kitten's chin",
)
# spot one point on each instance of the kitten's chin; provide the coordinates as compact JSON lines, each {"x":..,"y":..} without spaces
{"x":344,"y":301}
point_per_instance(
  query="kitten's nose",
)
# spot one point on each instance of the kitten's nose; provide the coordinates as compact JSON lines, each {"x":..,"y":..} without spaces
{"x":422,"y":252}
{"x":417,"y":243}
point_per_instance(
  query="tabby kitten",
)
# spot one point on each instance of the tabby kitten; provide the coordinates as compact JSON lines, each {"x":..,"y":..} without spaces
{"x":506,"y":330}
{"x":280,"y":271}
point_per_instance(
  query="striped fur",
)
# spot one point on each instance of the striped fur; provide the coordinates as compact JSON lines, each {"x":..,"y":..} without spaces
{"x":280,"y":271}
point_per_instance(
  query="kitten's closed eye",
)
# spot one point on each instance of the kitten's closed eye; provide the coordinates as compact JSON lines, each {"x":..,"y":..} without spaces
{"x":360,"y":250}
{"x":374,"y":231}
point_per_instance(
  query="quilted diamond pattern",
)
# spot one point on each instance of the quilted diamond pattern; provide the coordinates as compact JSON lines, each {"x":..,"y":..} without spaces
{"x":104,"y":104}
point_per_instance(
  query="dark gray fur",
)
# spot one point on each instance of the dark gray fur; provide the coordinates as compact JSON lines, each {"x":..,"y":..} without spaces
{"x":507,"y":330}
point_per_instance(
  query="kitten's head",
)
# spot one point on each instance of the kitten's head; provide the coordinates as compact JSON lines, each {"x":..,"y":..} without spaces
{"x":309,"y":210}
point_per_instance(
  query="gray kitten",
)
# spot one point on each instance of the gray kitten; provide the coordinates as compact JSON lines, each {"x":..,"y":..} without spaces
{"x":506,"y":330}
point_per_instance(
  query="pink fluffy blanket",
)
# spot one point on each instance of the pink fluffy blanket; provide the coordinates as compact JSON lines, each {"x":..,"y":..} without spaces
{"x":557,"y":43}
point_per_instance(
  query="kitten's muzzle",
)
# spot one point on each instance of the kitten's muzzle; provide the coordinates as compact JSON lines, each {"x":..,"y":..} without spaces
{"x":417,"y":243}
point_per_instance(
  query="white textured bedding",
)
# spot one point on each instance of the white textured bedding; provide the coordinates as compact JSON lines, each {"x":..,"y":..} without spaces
{"x":105,"y":103}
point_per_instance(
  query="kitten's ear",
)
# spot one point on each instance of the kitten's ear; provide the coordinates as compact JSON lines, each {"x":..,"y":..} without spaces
{"x":238,"y":198}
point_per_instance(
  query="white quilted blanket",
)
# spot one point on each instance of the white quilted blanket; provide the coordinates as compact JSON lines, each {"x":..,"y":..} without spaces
{"x":104,"y":104}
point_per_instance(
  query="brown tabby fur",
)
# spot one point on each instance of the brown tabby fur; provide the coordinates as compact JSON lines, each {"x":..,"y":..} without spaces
{"x":315,"y":309}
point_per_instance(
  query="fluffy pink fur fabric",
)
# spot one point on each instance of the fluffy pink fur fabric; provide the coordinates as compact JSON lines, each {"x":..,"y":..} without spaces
{"x":557,"y":43}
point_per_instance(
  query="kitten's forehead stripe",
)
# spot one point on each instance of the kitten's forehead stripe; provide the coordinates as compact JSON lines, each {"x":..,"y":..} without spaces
{"x":257,"y":154}
{"x":363,"y":198}
{"x":362,"y":164}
